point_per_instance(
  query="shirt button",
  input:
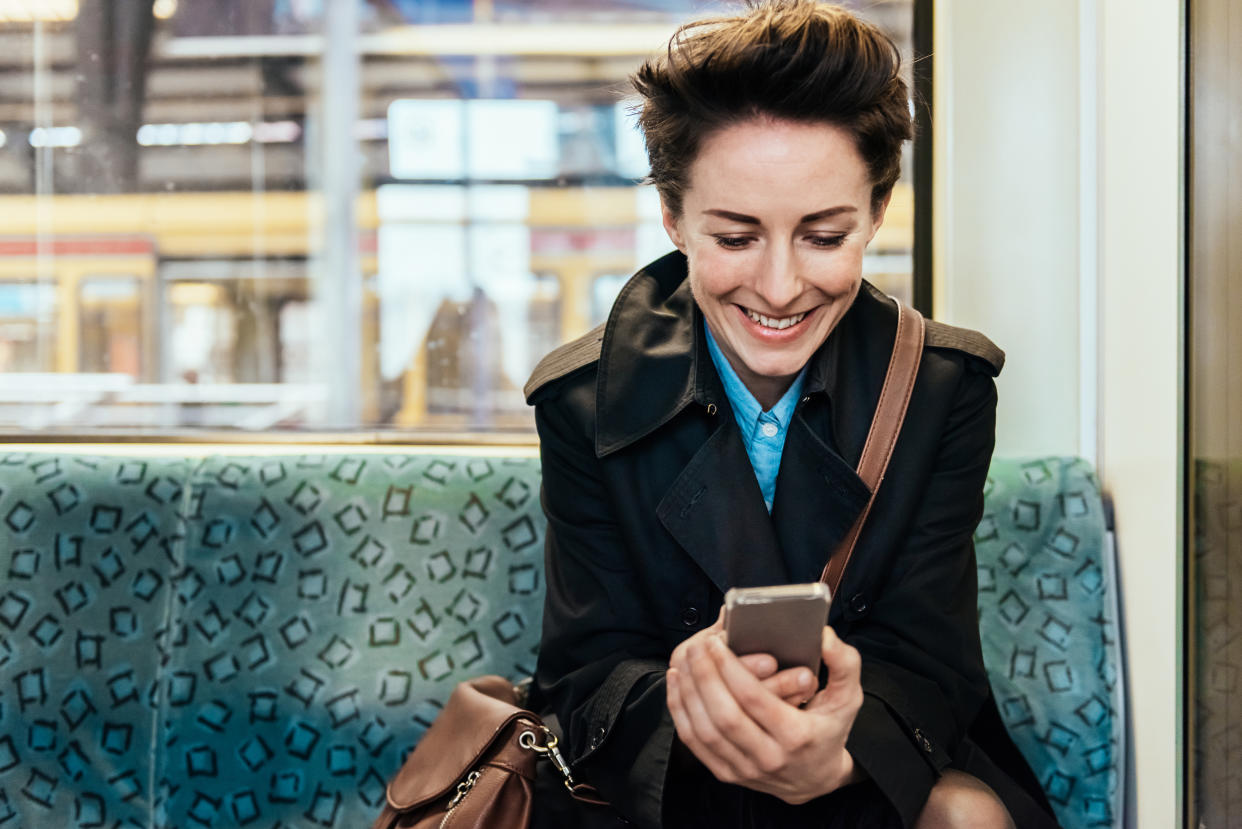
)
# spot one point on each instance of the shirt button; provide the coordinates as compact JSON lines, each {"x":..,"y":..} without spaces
{"x":769,"y":430}
{"x":597,"y":737}
{"x":690,"y":616}
{"x":858,"y":603}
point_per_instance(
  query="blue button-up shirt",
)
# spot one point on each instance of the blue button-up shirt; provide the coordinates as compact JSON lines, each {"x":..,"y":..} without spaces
{"x":763,"y":433}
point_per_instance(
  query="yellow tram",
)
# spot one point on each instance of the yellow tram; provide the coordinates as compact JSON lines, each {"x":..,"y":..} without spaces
{"x":143,"y":301}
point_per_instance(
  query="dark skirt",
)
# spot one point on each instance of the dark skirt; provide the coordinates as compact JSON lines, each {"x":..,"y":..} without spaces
{"x":692,"y":804}
{"x":693,"y":799}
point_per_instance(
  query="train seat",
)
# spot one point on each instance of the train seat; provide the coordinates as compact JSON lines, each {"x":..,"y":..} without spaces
{"x":197,"y":639}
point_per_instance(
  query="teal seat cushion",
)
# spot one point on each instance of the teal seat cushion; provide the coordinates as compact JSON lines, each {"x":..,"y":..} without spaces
{"x":85,"y":546}
{"x":1049,"y":623}
{"x":257,"y":641}
{"x":326,"y":606}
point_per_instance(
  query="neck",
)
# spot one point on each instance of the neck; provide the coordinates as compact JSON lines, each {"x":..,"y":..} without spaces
{"x":767,"y":390}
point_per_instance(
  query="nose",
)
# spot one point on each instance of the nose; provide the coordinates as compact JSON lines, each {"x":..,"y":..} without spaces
{"x":778,"y":283}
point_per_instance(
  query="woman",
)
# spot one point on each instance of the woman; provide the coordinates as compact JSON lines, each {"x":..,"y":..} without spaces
{"x":706,"y":437}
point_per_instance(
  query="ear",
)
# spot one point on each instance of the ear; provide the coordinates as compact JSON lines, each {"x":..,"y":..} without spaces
{"x":877,"y":217}
{"x":671,"y":226}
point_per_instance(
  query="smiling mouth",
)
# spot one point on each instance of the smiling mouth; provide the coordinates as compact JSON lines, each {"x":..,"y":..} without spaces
{"x":775,"y":323}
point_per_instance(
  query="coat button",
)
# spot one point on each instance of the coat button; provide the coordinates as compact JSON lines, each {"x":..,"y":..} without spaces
{"x":921,"y":739}
{"x":858,"y":603}
{"x":597,"y":737}
{"x":690,"y":616}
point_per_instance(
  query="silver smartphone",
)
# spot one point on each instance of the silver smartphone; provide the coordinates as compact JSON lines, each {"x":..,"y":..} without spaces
{"x":785,"y":620}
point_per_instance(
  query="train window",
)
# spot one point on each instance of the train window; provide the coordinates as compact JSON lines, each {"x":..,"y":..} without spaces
{"x":357,"y":215}
{"x":27,"y":327}
{"x":110,"y":320}
{"x":604,"y":290}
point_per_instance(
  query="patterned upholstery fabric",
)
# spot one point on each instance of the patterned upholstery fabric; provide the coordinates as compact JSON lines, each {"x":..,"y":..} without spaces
{"x":258,"y":648}
{"x":258,"y":640}
{"x":85,"y":546}
{"x":1048,"y":618}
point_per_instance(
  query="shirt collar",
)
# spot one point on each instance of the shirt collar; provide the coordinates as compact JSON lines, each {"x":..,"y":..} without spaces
{"x":654,"y":358}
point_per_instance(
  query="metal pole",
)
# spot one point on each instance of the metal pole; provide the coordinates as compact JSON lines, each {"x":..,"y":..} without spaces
{"x":44,"y":186}
{"x":338,"y":289}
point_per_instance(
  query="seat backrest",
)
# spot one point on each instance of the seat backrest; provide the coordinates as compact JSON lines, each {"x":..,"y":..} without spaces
{"x":1050,"y":626}
{"x":258,"y":640}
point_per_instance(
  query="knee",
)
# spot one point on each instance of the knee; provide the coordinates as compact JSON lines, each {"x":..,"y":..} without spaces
{"x":960,"y":801}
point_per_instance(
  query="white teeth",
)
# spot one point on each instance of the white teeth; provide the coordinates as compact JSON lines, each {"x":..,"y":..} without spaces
{"x":772,"y":322}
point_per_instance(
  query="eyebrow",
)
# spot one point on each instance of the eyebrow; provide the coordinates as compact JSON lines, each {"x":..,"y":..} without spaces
{"x":810,"y":217}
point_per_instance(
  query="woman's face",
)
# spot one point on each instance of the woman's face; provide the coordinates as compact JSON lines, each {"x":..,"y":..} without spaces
{"x":776,"y":216}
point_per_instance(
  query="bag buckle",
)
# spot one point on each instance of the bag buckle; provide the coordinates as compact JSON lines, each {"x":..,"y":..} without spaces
{"x":548,"y":750}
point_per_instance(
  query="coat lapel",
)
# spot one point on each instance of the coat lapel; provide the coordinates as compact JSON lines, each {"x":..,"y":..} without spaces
{"x":818,"y":498}
{"x":715,"y":511}
{"x":714,"y":508}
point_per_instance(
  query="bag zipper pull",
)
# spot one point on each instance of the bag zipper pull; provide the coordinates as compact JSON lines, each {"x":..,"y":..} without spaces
{"x":462,"y":789}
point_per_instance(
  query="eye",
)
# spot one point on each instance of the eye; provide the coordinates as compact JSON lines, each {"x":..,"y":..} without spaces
{"x":827,"y":241}
{"x":732,"y":242}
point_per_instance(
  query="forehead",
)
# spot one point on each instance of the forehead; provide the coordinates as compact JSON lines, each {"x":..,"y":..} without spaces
{"x":765,"y":159}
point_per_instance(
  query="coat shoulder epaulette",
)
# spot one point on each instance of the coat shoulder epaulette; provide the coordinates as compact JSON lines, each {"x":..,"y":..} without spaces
{"x":941,"y":335}
{"x":565,"y":360}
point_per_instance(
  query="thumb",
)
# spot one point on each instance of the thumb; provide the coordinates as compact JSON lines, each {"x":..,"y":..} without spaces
{"x":844,"y":670}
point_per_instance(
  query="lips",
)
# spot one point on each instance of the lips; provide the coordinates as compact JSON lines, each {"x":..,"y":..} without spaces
{"x":774,"y":323}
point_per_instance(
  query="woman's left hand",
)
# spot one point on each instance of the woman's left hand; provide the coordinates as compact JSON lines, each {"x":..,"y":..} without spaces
{"x":744,"y":733}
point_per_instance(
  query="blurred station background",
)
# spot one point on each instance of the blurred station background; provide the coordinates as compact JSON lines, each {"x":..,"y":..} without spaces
{"x":276,"y":214}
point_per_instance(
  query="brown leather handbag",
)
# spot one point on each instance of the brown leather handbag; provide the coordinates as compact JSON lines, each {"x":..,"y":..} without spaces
{"x":475,"y":766}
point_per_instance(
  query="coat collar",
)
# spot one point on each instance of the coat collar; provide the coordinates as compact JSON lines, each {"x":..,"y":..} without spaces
{"x":654,"y":360}
{"x":654,"y":364}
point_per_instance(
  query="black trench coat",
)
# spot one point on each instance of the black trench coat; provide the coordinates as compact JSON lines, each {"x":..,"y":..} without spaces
{"x":654,"y":512}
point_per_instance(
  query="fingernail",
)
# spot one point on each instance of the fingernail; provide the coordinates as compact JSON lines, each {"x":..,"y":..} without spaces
{"x":804,"y":681}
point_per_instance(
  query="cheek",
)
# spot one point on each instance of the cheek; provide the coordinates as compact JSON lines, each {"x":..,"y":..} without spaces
{"x":713,"y":275}
{"x":840,"y":276}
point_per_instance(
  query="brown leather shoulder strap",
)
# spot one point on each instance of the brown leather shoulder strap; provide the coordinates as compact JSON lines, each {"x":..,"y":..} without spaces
{"x":890,"y":411}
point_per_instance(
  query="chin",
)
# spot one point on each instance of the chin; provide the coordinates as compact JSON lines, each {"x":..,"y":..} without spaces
{"x":785,"y":367}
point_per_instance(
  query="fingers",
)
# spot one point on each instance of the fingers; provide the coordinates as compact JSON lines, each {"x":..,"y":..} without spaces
{"x":774,"y":719}
{"x":794,"y":685}
{"x":678,"y":657}
{"x":844,"y":663}
{"x":762,"y":665}
{"x":685,"y":729}
{"x":705,"y":717}
{"x":844,"y":688}
{"x":730,"y":716}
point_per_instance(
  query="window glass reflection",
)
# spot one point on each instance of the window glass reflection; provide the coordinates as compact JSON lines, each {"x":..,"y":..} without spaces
{"x":111,"y":325}
{"x":173,"y":211}
{"x":27,"y":323}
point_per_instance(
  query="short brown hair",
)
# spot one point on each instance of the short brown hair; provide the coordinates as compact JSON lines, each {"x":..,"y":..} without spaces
{"x":797,"y":60}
